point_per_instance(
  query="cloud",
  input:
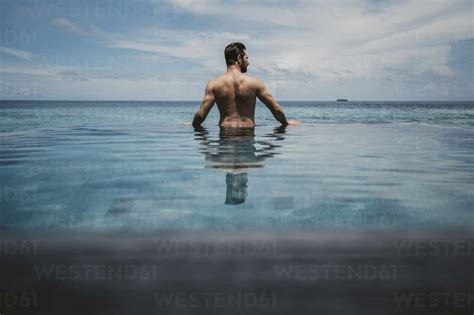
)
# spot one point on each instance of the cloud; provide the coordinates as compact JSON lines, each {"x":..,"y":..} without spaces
{"x":325,"y":40}
{"x":303,"y":47}
{"x":90,"y":31}
{"x":23,"y":54}
{"x":72,"y":76}
{"x":27,"y":71}
{"x":347,"y":39}
{"x":204,"y":48}
{"x":66,"y":24}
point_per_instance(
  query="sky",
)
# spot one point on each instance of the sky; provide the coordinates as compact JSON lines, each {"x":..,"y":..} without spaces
{"x":303,"y":50}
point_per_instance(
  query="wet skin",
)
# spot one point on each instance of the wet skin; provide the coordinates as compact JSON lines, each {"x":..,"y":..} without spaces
{"x":235,"y":94}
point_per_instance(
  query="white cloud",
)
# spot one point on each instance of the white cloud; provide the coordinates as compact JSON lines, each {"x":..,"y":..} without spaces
{"x":66,"y":24}
{"x":339,"y":40}
{"x":91,"y":30}
{"x":300,"y":47}
{"x":23,"y":54}
{"x":203,"y":48}
{"x":345,"y":39}
{"x":28,"y":71}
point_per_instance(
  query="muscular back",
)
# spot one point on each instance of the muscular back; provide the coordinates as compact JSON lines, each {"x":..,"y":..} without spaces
{"x":235,"y":95}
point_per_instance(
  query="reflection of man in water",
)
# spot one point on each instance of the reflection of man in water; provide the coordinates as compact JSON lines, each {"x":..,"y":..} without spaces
{"x":236,"y":188}
{"x":235,"y":94}
{"x":235,"y":152}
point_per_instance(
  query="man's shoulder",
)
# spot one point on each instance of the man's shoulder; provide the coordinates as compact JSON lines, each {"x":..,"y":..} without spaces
{"x":216,"y":80}
{"x":250,"y":80}
{"x":243,"y":79}
{"x":254,"y":81}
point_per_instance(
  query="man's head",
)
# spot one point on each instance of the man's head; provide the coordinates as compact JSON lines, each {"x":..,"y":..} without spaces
{"x":236,"y":54}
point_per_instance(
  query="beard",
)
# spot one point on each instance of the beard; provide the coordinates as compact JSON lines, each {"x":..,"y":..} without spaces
{"x":243,"y":69}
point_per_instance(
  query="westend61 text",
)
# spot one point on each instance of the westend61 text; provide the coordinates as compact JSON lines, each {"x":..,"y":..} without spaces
{"x":12,"y":299}
{"x":435,"y":300}
{"x":215,"y":248}
{"x":336,"y":272}
{"x":435,"y":247}
{"x":96,"y":272}
{"x":240,"y":299}
{"x":18,"y":247}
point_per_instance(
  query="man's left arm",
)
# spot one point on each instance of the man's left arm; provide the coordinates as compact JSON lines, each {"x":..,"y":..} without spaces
{"x":206,"y":105}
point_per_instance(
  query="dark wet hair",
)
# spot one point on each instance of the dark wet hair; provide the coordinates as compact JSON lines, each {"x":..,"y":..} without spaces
{"x":232,"y":51}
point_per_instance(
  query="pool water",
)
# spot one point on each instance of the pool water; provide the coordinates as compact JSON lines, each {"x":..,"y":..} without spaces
{"x":132,"y":166}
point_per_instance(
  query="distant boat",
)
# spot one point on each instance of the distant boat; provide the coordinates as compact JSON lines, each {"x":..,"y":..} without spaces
{"x":342,"y":100}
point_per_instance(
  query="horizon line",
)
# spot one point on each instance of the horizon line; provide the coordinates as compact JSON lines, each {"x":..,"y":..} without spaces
{"x":135,"y":100}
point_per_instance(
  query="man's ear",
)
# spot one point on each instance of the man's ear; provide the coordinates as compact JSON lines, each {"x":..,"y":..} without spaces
{"x":239,"y":59}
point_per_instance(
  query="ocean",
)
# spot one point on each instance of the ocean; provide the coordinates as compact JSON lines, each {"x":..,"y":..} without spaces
{"x":131,"y":165}
{"x":119,"y":208}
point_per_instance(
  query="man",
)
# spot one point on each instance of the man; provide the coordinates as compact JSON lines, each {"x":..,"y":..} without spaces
{"x":235,"y":94}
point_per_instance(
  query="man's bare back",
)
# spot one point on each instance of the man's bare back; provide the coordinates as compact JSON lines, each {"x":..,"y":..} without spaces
{"x":235,"y":94}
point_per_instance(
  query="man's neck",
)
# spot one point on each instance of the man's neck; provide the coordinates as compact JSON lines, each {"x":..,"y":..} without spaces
{"x":233,"y":69}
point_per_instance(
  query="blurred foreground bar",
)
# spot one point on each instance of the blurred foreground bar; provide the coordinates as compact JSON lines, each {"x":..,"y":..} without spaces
{"x":313,"y":272}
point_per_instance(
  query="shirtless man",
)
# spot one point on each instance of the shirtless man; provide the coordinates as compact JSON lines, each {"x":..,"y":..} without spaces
{"x":235,"y":94}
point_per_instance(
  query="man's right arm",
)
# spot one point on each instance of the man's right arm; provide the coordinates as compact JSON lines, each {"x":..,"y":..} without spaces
{"x":266,"y":98}
{"x":206,"y":105}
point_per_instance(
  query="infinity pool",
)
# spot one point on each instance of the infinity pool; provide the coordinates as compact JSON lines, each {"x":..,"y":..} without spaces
{"x":131,"y":166}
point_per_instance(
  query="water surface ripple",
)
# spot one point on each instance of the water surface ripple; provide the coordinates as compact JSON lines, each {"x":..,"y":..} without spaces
{"x":126,"y":165}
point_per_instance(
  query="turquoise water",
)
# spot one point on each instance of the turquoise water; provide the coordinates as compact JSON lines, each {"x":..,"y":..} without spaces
{"x":130,"y":165}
